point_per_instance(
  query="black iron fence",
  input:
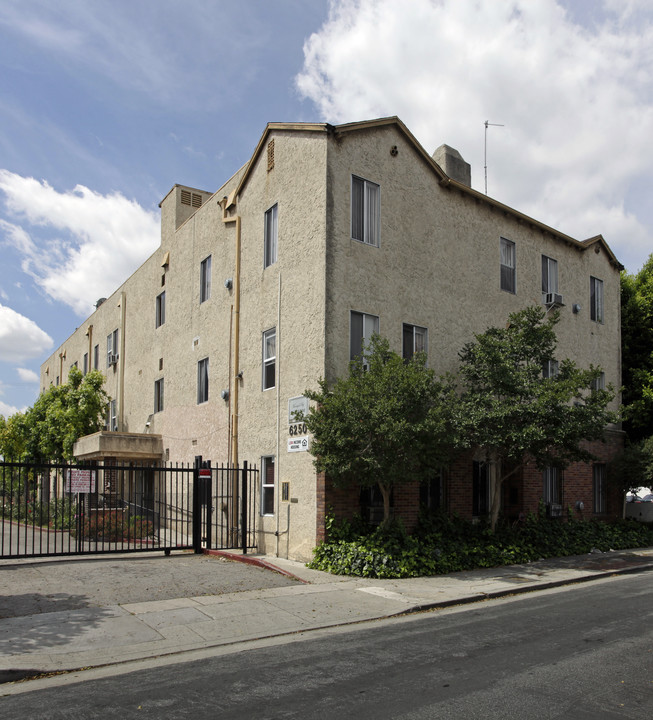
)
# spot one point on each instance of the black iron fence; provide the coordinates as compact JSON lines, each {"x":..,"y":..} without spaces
{"x":63,"y":509}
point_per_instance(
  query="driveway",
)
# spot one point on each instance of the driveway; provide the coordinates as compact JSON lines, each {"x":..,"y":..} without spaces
{"x":32,"y":586}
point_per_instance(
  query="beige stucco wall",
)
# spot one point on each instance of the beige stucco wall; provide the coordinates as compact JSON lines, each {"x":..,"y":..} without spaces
{"x":438,"y":263}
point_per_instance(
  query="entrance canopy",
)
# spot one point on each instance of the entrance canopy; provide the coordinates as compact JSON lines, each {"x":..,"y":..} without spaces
{"x":137,"y":447}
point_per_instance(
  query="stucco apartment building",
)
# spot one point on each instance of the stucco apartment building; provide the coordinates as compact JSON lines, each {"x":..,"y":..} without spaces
{"x":327,"y":234}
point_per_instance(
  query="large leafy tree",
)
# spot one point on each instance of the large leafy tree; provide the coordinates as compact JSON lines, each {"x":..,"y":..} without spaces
{"x":637,"y":350}
{"x":57,"y":419}
{"x":515,"y":413}
{"x":384,"y":424}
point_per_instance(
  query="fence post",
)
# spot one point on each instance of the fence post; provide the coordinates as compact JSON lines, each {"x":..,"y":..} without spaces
{"x":243,"y":508}
{"x":197,"y":507}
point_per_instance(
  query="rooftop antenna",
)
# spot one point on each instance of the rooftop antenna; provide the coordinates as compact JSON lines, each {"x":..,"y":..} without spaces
{"x":487,"y":124}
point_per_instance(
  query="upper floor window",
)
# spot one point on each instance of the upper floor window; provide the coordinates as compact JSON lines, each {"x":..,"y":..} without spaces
{"x":508,"y":267}
{"x":596,"y":299}
{"x":598,"y":383}
{"x":202,"y":381}
{"x":160,"y":309}
{"x":96,"y":357}
{"x":365,"y":211}
{"x":362,"y":327}
{"x":414,"y":340}
{"x":112,"y":348}
{"x":270,"y":236}
{"x":85,"y":363}
{"x":549,"y":275}
{"x":550,"y":368}
{"x":112,"y":416}
{"x":158,"y":395}
{"x":269,"y":358}
{"x":205,"y":279}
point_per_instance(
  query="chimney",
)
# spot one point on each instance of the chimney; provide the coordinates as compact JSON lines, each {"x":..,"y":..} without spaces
{"x":451,"y":161}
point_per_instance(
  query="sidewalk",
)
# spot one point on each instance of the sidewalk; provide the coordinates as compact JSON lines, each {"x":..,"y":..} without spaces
{"x":115,"y":633}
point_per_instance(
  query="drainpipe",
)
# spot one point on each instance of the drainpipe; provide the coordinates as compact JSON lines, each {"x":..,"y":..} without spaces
{"x":62,"y":357}
{"x":226,"y":203}
{"x":121,"y":379}
{"x":277,"y":464}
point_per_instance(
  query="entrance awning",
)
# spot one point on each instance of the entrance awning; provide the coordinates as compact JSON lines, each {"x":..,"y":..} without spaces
{"x":124,"y":446}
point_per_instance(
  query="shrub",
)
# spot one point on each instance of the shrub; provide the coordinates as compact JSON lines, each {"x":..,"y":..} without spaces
{"x":443,"y":544}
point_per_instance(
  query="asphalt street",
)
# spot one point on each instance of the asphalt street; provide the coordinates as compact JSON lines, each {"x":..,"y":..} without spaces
{"x":583,"y":651}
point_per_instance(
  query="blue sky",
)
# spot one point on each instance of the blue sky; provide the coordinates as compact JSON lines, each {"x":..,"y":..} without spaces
{"x":105,"y":105}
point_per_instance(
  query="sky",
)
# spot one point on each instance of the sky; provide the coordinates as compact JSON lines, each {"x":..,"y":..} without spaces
{"x":104,"y":106}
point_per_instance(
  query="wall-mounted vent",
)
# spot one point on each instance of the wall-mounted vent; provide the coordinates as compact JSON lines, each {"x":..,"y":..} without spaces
{"x":270,"y":155}
{"x":191,"y":198}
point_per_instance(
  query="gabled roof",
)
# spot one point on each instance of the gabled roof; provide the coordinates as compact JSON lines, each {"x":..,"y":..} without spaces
{"x":444,"y":179}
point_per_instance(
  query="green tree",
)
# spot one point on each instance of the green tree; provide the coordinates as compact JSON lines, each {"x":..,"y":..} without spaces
{"x":510,"y":411}
{"x":57,"y":419}
{"x":384,"y":424}
{"x":637,"y":350}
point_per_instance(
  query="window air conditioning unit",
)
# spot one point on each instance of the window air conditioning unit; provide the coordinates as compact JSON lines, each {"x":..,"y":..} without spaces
{"x":552,"y":299}
{"x":113,"y":359}
{"x":553,"y":510}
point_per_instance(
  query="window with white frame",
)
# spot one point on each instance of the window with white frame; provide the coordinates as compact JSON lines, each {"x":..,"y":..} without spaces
{"x":414,"y":340}
{"x":205,"y":279}
{"x":267,"y":485}
{"x":549,"y":275}
{"x":112,"y":416}
{"x":599,"y":487}
{"x":550,"y":368}
{"x":365,"y":211}
{"x":361,"y":328}
{"x":270,"y":236}
{"x":202,"y":381}
{"x":598,"y":383}
{"x":269,"y":358}
{"x":596,"y":299}
{"x":160,"y":309}
{"x":158,"y":395}
{"x":552,"y":486}
{"x":508,"y":266}
{"x":112,"y":348}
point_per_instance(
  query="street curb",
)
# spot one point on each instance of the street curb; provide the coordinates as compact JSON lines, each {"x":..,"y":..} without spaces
{"x":258,"y":562}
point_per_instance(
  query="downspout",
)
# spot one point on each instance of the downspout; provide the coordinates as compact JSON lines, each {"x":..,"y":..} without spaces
{"x":121,"y":379}
{"x":277,"y":464}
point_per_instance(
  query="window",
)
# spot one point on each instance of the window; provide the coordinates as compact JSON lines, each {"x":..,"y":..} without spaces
{"x":550,"y":368}
{"x":158,"y":395}
{"x":362,"y":327}
{"x":549,"y":275}
{"x":202,"y":381}
{"x":85,"y":363}
{"x":431,"y":492}
{"x":112,"y":416}
{"x":112,"y":348}
{"x":96,"y":357}
{"x":267,"y":485}
{"x":551,"y":486}
{"x":269,"y":358}
{"x":598,"y":383}
{"x":596,"y":299}
{"x":205,"y":279}
{"x":414,"y":340}
{"x":508,"y":266}
{"x":365,"y":211}
{"x":600,"y":487}
{"x":270,"y":236}
{"x":480,"y":489}
{"x":160,"y":309}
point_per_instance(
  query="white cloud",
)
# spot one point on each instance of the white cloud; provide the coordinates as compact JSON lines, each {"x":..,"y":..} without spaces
{"x":7,"y":410}
{"x":20,"y":337}
{"x":28,"y":376}
{"x":81,"y":245}
{"x":576,"y":101}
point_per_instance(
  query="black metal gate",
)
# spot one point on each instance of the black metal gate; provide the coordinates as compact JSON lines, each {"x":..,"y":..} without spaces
{"x":63,"y":509}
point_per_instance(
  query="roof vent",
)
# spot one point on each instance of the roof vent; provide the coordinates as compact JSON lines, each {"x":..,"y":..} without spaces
{"x":451,"y":161}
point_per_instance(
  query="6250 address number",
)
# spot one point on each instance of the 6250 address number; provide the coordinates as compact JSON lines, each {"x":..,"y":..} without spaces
{"x":297,"y":429}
